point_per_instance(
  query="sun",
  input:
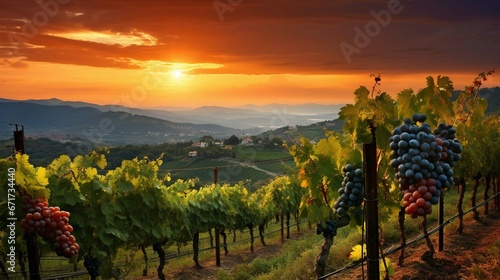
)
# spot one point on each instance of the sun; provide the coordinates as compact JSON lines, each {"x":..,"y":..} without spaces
{"x":177,"y":74}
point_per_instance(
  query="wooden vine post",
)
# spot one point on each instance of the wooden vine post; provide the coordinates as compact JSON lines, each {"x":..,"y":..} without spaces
{"x":217,"y":234}
{"x":496,"y":187}
{"x":31,"y":242}
{"x":371,"y":206}
{"x":441,"y":222}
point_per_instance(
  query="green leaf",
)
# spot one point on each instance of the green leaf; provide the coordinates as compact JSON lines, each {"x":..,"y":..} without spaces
{"x":406,"y":104}
{"x":122,"y":235}
{"x":106,"y":239}
{"x":124,"y":186}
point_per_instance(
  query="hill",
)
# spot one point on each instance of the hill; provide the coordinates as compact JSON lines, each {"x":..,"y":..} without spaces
{"x":62,"y":122}
{"x":315,"y":132}
{"x":253,"y":119}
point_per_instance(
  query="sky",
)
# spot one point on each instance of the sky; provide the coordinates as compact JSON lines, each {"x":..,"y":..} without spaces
{"x":191,"y":53}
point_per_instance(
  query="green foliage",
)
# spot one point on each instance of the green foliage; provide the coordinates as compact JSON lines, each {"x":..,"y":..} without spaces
{"x":365,"y":112}
{"x":131,"y":205}
{"x":233,"y":140}
{"x":383,"y":114}
{"x":31,"y":179}
{"x":319,"y":173}
{"x":433,"y":100}
{"x":477,"y":133}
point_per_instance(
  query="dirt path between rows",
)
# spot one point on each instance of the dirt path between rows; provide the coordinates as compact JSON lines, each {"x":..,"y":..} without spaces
{"x":462,"y":254}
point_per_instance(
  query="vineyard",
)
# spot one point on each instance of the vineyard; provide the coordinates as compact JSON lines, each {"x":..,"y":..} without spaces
{"x":395,"y":163}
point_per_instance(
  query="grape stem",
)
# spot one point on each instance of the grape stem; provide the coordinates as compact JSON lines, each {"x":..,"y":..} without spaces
{"x":323,"y":192}
{"x":377,"y":80}
{"x":322,"y":186}
{"x":474,"y":90}
{"x":72,"y":173}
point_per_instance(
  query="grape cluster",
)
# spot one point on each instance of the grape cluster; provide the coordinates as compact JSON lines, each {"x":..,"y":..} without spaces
{"x":451,"y":146}
{"x":422,"y":163}
{"x":351,"y":192}
{"x":92,"y":266}
{"x":51,"y":224}
{"x":329,"y":231}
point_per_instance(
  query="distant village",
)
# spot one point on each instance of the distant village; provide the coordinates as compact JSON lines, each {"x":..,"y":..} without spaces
{"x":208,"y":142}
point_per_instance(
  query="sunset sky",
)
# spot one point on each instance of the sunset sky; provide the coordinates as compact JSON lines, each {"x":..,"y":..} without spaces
{"x":189,"y":53}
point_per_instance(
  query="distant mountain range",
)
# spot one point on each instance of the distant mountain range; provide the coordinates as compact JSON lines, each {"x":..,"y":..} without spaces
{"x":247,"y":117}
{"x":116,"y":125}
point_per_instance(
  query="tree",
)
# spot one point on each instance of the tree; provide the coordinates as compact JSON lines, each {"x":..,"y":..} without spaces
{"x":207,"y":139}
{"x":276,"y":142}
{"x":233,"y":140}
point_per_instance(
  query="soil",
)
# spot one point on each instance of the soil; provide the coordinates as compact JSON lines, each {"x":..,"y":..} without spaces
{"x":462,"y":255}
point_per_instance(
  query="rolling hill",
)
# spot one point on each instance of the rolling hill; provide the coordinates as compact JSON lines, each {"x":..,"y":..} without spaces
{"x":113,"y":128}
{"x":116,"y":125}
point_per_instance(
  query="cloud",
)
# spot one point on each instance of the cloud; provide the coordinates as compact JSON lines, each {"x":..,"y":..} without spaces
{"x":15,"y":63}
{"x":109,"y":38}
{"x":19,"y":65}
{"x":256,"y":37}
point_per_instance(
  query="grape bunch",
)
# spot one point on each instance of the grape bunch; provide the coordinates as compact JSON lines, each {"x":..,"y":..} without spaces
{"x":329,"y":231}
{"x":451,"y":146}
{"x":419,"y":156}
{"x":92,"y":266}
{"x":51,"y":224}
{"x":351,"y":192}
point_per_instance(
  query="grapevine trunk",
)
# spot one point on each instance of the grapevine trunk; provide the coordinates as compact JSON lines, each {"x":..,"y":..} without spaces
{"x":323,"y":256}
{"x":145,"y":270}
{"x":196,"y":249}
{"x":401,"y":225}
{"x":461,"y":195}
{"x":429,"y":255}
{"x":475,"y":185}
{"x":487,"y":187}
{"x":261,"y":234}
{"x":161,"y":255}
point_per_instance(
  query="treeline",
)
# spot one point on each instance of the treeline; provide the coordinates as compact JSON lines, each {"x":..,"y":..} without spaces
{"x":43,"y":150}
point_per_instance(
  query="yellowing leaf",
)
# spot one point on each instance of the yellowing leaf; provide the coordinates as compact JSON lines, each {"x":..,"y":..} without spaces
{"x":390,"y":268}
{"x":167,"y":177}
{"x":355,"y":255}
{"x":304,"y":184}
{"x":101,"y":163}
{"x":40,"y":176}
{"x":91,"y":172}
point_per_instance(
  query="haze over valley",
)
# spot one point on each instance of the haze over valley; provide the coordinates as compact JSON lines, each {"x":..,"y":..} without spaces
{"x":115,"y":125}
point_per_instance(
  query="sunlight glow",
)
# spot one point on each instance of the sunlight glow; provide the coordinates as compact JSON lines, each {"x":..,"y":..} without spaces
{"x":177,"y":74}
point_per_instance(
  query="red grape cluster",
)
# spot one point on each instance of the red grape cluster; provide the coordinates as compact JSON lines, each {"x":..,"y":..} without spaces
{"x":51,"y":224}
{"x":418,"y":198}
